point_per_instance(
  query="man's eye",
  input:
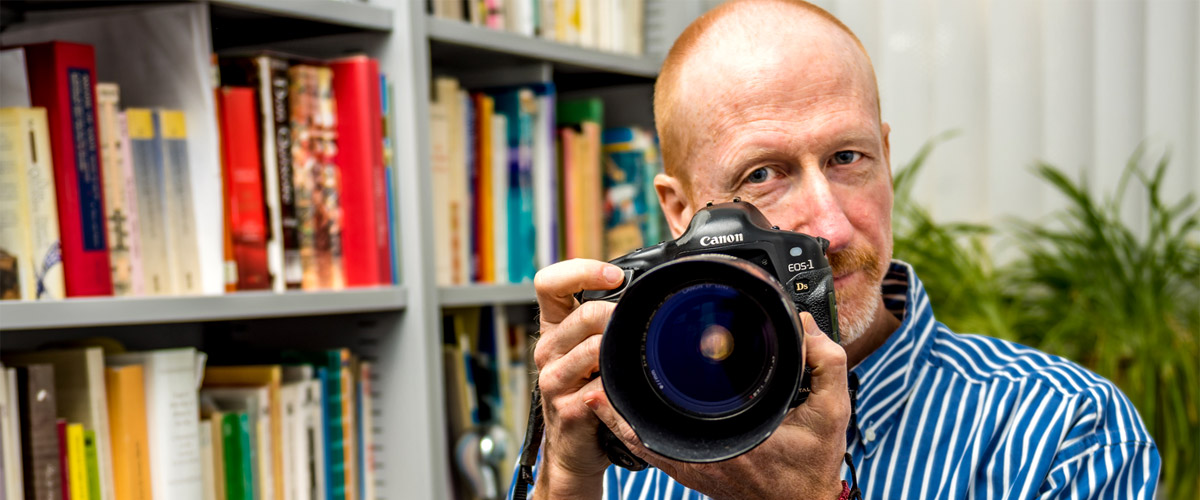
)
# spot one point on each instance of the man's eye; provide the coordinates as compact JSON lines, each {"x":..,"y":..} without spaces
{"x":759,"y":176}
{"x":846,"y":157}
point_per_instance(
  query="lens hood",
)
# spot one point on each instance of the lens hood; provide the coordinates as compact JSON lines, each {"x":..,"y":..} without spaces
{"x":664,"y":418}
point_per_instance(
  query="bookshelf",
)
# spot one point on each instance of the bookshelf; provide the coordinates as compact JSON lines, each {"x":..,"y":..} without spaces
{"x":411,"y":46}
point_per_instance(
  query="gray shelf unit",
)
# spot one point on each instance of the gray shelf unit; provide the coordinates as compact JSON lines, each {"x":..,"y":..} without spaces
{"x":411,"y":451}
{"x":115,"y":311}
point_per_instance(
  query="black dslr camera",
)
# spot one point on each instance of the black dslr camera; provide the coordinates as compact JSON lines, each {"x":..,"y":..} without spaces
{"x":704,"y":354}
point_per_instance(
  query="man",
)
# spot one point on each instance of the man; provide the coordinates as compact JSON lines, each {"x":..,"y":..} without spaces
{"x":775,"y":102}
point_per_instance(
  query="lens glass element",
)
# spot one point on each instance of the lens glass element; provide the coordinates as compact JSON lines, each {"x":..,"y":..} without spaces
{"x":709,"y":349}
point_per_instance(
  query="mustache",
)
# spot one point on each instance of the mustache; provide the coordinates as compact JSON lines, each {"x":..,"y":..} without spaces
{"x":853,"y":258}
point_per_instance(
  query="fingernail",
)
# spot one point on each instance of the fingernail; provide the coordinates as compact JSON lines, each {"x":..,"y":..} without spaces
{"x":809,"y":324}
{"x":591,"y":403}
{"x":612,"y":274}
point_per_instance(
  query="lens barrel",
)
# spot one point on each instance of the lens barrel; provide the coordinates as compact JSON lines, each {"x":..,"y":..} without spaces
{"x":703,"y":356}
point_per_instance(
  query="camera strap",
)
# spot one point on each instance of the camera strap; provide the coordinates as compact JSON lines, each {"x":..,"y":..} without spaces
{"x":533,"y":442}
{"x":852,"y":380}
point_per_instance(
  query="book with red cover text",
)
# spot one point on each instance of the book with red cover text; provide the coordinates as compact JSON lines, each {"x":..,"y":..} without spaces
{"x":366,"y":249}
{"x":244,"y":186}
{"x":62,"y":79}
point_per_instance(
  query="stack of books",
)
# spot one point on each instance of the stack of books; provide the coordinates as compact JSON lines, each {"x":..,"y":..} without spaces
{"x":608,"y":25}
{"x":523,"y":179}
{"x":106,"y":203}
{"x":93,"y":423}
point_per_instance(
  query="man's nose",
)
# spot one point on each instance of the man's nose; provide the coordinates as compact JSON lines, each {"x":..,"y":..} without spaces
{"x":816,"y":210}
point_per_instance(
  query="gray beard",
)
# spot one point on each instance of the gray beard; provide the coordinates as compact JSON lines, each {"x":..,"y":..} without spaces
{"x":851,"y":328}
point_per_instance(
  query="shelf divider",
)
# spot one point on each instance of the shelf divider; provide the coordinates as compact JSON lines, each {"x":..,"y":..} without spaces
{"x":486,"y":294}
{"x":110,"y":311}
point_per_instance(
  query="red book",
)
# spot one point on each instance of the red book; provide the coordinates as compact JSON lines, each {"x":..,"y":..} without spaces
{"x":366,"y":249}
{"x":238,"y":119}
{"x":62,"y":79}
{"x":60,"y":426}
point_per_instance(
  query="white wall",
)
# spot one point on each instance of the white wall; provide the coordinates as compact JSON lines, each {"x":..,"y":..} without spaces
{"x":1076,"y":83}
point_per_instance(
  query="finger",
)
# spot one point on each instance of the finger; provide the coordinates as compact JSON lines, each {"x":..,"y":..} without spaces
{"x":829,"y":397}
{"x":557,"y":284}
{"x":586,"y":320}
{"x":572,"y":370}
{"x":597,"y":401}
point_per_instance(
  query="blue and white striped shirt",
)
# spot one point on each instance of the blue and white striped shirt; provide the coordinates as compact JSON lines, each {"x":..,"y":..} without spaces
{"x":944,"y":415}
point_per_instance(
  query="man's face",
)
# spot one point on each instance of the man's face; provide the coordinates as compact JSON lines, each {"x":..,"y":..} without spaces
{"x":793,"y":127}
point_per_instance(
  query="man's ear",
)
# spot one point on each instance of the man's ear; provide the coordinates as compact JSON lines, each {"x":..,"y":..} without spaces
{"x":885,"y":130}
{"x":676,"y":205}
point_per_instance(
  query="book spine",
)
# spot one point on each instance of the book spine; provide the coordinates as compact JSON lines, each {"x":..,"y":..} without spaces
{"x":239,"y":477}
{"x":500,"y":183}
{"x":359,"y":159}
{"x":440,"y":155}
{"x":77,"y":462}
{"x":127,"y":427}
{"x":64,"y":457}
{"x":151,"y":195}
{"x":329,"y":220}
{"x":545,"y":183}
{"x":389,"y":158}
{"x":181,"y":227}
{"x":244,"y":188}
{"x":62,"y":79}
{"x":116,"y":212}
{"x":134,"y":240}
{"x":470,"y":154}
{"x":282,"y":137}
{"x":40,"y":444}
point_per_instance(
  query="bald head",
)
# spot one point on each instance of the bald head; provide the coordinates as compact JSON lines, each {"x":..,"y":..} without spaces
{"x":790,"y":47}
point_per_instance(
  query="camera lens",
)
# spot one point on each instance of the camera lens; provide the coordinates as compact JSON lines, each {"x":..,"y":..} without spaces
{"x":709,"y":349}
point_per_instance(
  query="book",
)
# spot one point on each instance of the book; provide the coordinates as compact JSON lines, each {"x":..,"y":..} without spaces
{"x":219,"y":481}
{"x":238,"y":454}
{"x":366,"y":249}
{"x":255,"y":377}
{"x":292,"y":441}
{"x":243,"y":174}
{"x":332,"y":368}
{"x":441,"y":160}
{"x":481,"y":189}
{"x":82,"y":398}
{"x":627,"y":203}
{"x":184,"y":258}
{"x":150,"y":181}
{"x":499,"y":196}
{"x":207,"y":472}
{"x":255,"y":403}
{"x":129,"y":191}
{"x":14,"y":82}
{"x":29,"y":236}
{"x":10,"y":435}
{"x":77,"y":460}
{"x":64,"y":458}
{"x":171,"y":379}
{"x":62,"y":78}
{"x":116,"y":213}
{"x":127,"y":430}
{"x":39,"y":432}
{"x":315,"y":177}
{"x":366,"y":433}
{"x":268,"y":74}
{"x":545,"y":175}
{"x":389,"y":169}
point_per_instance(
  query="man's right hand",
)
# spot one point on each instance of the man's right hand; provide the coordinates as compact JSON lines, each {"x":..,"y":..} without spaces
{"x":567,"y":356}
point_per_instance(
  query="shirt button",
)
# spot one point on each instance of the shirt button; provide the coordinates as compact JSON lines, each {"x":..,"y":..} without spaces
{"x":869,"y":435}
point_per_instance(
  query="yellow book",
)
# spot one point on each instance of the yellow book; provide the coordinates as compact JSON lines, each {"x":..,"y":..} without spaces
{"x":483,"y":155}
{"x":77,"y":462}
{"x":127,"y":426}
{"x":269,"y":376}
{"x":29,"y":237}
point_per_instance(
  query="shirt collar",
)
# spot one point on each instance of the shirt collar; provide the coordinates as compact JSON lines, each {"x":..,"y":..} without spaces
{"x":887,"y":375}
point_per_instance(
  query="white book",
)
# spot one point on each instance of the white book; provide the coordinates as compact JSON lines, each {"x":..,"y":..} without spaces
{"x":182,"y":241}
{"x":499,"y":152}
{"x":295,"y":459}
{"x":14,"y":81}
{"x":116,"y":213}
{"x":28,"y":206}
{"x":207,"y":465}
{"x":545,"y":185}
{"x":172,"y":377}
{"x":10,"y":434}
{"x":461,"y":206}
{"x":256,"y":402}
{"x":149,"y":180}
{"x":367,"y":406}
